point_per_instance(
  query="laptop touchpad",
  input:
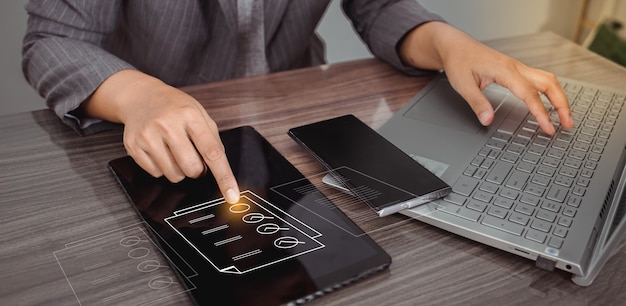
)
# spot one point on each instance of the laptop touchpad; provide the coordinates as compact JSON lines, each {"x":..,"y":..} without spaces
{"x":443,"y":106}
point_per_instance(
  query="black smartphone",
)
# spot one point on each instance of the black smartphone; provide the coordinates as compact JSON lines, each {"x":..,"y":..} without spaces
{"x":365,"y":164}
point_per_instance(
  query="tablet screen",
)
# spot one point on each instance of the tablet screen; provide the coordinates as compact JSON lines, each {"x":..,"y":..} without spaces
{"x":267,"y":249}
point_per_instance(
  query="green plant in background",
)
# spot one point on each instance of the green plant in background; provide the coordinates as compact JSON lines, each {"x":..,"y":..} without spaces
{"x":608,"y":43}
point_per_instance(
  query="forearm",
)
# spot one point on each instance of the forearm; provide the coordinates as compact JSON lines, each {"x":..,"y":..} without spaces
{"x":63,"y":58}
{"x":116,"y":97}
{"x":382,"y":25}
{"x":427,"y":46}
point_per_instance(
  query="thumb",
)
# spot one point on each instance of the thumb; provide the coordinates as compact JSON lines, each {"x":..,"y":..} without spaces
{"x":475,"y":98}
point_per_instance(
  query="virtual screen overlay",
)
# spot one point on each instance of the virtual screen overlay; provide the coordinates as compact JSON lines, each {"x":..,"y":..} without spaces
{"x":244,"y":239}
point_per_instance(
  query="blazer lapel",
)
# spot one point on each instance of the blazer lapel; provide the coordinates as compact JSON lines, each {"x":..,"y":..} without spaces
{"x":229,"y":8}
{"x":273,"y":15}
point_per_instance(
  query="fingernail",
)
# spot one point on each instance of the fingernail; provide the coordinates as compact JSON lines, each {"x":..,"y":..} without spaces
{"x":231,"y":196}
{"x":484,"y":118}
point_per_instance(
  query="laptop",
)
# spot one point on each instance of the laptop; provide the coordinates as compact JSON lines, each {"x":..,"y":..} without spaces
{"x":558,"y":200}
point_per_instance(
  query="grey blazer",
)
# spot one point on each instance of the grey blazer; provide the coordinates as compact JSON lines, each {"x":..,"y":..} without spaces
{"x":72,"y":46}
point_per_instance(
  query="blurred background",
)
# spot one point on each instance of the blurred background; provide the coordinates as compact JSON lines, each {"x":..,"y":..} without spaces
{"x":579,"y":20}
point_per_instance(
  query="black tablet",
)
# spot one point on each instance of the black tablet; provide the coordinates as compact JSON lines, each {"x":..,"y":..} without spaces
{"x":283,"y":242}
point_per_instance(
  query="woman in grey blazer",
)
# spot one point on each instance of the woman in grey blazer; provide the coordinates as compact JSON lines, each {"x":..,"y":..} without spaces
{"x":98,"y":63}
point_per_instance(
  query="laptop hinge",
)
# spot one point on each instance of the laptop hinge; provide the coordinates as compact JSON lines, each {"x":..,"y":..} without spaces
{"x":545,"y":263}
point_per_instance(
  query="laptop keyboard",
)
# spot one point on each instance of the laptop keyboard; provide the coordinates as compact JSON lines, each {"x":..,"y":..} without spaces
{"x":530,"y":184}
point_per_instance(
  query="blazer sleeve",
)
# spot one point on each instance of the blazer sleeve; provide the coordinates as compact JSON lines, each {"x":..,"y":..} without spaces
{"x":63,"y":58}
{"x":383,"y":24}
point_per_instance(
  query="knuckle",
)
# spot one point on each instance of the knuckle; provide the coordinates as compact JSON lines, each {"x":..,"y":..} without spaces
{"x":174,"y":177}
{"x":214,"y":153}
{"x":551,"y":76}
{"x":188,"y":112}
{"x":193,"y":169}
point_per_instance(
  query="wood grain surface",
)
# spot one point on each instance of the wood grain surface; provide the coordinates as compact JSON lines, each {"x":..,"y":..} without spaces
{"x":58,"y":200}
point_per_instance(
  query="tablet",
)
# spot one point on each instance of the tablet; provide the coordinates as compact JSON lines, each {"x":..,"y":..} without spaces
{"x":283,"y":242}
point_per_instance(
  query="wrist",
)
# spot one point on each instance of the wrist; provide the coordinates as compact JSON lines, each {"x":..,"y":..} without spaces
{"x":114,"y":99}
{"x":428,"y":45}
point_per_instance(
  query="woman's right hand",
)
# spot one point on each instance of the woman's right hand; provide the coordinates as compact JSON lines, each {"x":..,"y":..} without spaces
{"x":166,"y":131}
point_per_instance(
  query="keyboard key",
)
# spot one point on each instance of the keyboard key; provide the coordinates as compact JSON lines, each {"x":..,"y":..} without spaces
{"x":477,"y":206}
{"x":557,"y":193}
{"x":551,"y":162}
{"x":455,"y":199}
{"x":489,"y":187}
{"x":583,"y":181}
{"x":503,"y":225}
{"x":570,"y":212}
{"x":579,"y":191}
{"x":541,"y":225}
{"x":536,"y":150}
{"x":520,"y":141}
{"x":576,"y":155}
{"x":564,"y":137}
{"x":502,"y":136}
{"x":458,"y":211}
{"x":509,"y":193}
{"x":547,"y":171}
{"x":583,"y":147}
{"x":563,"y":181}
{"x":591,"y":165}
{"x":560,"y":231}
{"x":573,"y":163}
{"x":504,"y":203}
{"x":525,"y":134}
{"x":560,"y":145}
{"x":509,"y":157}
{"x":540,"y":180}
{"x":465,"y":186}
{"x":535,"y":189}
{"x":517,"y":180}
{"x":525,"y":167}
{"x":516,"y":149}
{"x":588,"y":173}
{"x":536,"y":236}
{"x":544,"y":143}
{"x":477,"y":161}
{"x":534,"y":159}
{"x":480,"y":173}
{"x":499,"y":173}
{"x":482,"y":196}
{"x":525,"y":209}
{"x":484,"y":151}
{"x":486,"y":164}
{"x":555,"y":242}
{"x":497,"y":212}
{"x":551,"y":206}
{"x":496,"y":144}
{"x":546,"y":215}
{"x":470,"y":170}
{"x":519,"y":218}
{"x":493,"y":154}
{"x":573,"y":201}
{"x":558,"y":154}
{"x":530,"y":199}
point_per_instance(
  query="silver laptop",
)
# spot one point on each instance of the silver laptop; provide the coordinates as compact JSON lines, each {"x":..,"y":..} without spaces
{"x":557,"y":200}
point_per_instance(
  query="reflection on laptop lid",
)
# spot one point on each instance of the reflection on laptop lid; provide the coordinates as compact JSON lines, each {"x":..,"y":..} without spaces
{"x":558,"y":200}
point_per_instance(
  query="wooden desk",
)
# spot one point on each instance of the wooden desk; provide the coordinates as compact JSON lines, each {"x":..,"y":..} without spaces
{"x":56,"y":192}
